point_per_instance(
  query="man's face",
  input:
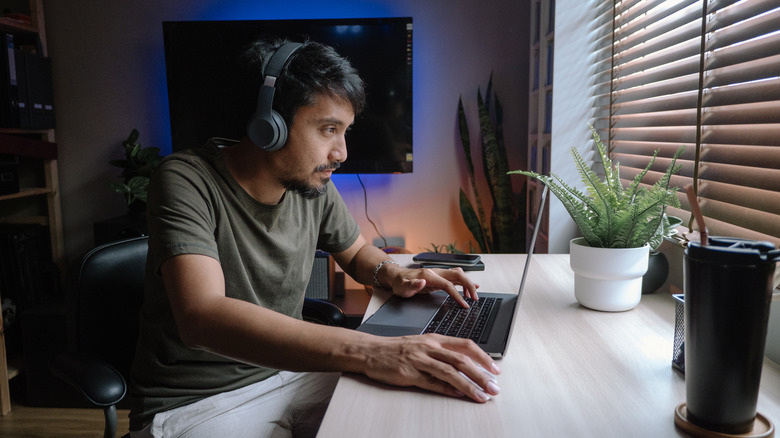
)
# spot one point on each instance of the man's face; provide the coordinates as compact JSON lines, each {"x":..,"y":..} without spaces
{"x":316,"y":145}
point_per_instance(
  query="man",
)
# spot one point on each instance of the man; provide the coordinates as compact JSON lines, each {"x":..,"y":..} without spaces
{"x":233,"y":230}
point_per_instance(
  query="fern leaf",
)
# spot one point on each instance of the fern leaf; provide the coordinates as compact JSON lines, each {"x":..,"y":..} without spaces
{"x":604,"y":199}
{"x":642,"y":219}
{"x":611,"y":175}
{"x":671,"y":170}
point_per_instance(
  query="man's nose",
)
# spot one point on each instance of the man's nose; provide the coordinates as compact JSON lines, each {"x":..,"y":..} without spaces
{"x":339,"y":151}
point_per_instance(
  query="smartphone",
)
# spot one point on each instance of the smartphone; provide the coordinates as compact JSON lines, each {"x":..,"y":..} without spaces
{"x":447,"y":259}
{"x":479,"y":266}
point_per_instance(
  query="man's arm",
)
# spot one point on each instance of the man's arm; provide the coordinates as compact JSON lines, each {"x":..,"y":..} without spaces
{"x":207,"y":319}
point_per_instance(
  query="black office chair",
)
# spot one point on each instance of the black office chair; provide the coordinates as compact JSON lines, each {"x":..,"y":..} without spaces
{"x":109,"y":295}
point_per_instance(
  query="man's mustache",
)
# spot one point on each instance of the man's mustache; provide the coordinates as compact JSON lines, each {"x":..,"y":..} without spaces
{"x":333,"y":166}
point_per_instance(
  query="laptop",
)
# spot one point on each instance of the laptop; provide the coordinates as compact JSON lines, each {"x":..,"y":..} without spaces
{"x":488,"y":322}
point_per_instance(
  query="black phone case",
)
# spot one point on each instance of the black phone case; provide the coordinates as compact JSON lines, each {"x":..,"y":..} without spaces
{"x":431,"y":258}
{"x":479,"y":266}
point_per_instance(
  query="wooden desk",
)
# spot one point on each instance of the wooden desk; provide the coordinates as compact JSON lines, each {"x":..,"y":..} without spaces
{"x":569,"y":371}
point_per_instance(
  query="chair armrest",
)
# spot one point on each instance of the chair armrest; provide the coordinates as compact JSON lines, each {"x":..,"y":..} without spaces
{"x":323,"y":312}
{"x":98,"y":381}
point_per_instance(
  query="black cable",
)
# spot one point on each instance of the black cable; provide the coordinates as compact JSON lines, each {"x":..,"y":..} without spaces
{"x":365,"y":204}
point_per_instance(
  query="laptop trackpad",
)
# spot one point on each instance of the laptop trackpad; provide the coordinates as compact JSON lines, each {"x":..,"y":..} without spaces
{"x":388,"y":330}
{"x":404,"y":316}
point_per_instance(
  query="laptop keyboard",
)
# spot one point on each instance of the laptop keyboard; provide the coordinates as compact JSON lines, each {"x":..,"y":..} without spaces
{"x":473,"y":323}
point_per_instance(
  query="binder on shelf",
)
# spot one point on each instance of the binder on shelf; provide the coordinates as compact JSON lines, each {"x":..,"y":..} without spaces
{"x":40,"y":93}
{"x":26,"y":93}
{"x":10,"y":90}
{"x":23,"y":107}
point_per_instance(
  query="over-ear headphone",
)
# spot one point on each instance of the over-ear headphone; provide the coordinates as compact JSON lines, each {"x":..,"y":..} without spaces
{"x":266,"y":127}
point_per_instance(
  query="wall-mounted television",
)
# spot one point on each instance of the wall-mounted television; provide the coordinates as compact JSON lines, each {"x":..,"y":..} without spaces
{"x":199,"y":54}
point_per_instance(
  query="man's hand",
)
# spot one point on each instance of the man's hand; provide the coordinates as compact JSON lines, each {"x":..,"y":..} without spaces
{"x":408,"y":282}
{"x":434,"y":362}
{"x":362,"y":262}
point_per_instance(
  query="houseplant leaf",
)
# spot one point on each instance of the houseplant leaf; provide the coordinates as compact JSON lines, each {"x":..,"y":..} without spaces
{"x":137,"y":167}
{"x":504,"y":217}
{"x":484,"y":233}
{"x":472,"y":222}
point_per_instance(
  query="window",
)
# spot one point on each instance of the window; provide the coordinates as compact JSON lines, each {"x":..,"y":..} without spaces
{"x":704,"y":74}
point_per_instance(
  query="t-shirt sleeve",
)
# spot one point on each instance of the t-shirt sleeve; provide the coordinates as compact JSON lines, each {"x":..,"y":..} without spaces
{"x":179,"y":218}
{"x":338,"y":230}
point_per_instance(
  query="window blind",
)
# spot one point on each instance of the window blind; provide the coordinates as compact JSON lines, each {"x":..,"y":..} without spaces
{"x":704,"y":74}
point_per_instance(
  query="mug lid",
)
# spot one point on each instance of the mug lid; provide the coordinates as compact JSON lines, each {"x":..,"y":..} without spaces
{"x":734,"y":250}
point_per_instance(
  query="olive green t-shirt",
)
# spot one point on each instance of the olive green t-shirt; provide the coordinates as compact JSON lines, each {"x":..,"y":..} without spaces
{"x":266,"y":252}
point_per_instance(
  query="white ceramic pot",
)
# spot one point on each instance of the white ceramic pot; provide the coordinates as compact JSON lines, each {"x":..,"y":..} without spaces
{"x":607,"y":279}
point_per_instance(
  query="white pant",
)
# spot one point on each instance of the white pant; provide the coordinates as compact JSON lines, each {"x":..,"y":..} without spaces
{"x":284,"y":405}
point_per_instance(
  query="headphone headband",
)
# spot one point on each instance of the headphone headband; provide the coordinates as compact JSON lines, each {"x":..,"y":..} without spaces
{"x":279,"y":60}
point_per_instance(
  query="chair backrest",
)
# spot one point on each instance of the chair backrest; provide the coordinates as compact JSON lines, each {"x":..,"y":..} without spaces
{"x":109,"y":297}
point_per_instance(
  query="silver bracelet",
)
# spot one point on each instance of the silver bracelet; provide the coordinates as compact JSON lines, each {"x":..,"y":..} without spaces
{"x":377,"y":268}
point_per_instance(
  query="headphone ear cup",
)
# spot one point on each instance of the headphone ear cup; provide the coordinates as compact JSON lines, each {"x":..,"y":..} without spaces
{"x":266,"y":128}
{"x":280,"y":131}
{"x":268,"y":131}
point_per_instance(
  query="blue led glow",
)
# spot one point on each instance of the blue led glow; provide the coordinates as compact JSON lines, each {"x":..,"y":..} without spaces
{"x":348,"y":182}
{"x":267,"y":10}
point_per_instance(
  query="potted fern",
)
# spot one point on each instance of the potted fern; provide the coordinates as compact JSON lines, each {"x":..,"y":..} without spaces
{"x":619,"y":227}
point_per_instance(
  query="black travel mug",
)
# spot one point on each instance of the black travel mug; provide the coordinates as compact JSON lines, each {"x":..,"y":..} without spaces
{"x":728,"y":292}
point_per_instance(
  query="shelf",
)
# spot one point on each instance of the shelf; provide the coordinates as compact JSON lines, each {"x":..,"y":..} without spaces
{"x":23,"y":220}
{"x":12,"y":25}
{"x":25,"y":193}
{"x":39,"y":201}
{"x":12,"y":143}
{"x":25,"y":131}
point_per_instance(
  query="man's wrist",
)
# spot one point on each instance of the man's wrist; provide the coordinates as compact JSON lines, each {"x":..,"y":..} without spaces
{"x":378,"y":268}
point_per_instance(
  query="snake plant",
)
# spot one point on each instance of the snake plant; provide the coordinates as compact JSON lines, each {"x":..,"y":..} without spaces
{"x":609,"y":215}
{"x":503,"y":231}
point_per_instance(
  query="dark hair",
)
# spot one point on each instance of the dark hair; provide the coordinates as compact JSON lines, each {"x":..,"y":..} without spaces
{"x":314,"y":69}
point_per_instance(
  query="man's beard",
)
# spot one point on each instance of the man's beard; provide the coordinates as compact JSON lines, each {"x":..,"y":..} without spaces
{"x":307,"y":190}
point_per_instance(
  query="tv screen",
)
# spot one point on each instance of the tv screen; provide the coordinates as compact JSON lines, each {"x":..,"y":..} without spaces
{"x":199,"y":56}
